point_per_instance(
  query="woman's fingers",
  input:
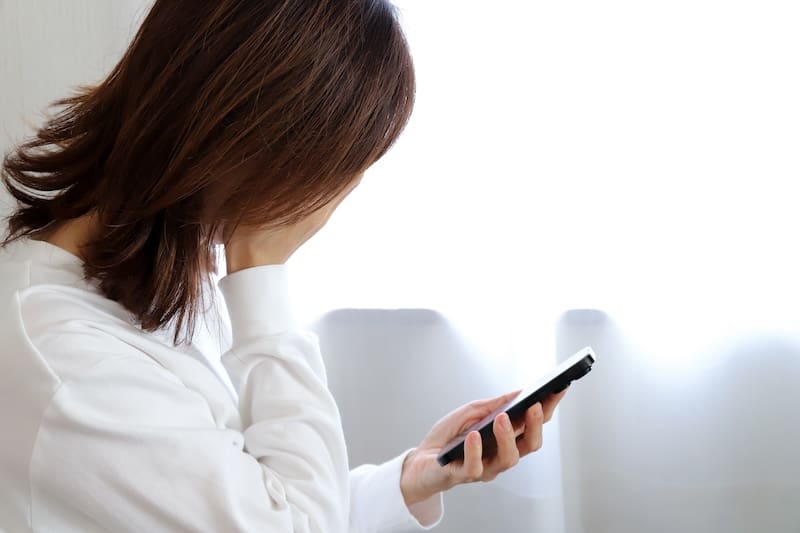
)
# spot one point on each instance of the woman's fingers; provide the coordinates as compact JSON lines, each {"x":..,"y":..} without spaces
{"x":531,"y":440}
{"x":491,"y":404}
{"x":507,"y":452}
{"x":472,"y":468}
{"x":512,"y":442}
{"x":550,"y":403}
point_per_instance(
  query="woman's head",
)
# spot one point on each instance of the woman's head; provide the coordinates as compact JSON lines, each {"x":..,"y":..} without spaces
{"x":220,"y":113}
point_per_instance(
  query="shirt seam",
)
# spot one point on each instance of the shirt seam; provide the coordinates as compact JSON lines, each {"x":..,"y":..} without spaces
{"x":60,"y":384}
{"x":51,"y":401}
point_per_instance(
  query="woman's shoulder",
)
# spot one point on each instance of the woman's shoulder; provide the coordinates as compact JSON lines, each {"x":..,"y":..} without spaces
{"x":71,"y":329}
{"x":45,"y":282}
{"x":51,"y":314}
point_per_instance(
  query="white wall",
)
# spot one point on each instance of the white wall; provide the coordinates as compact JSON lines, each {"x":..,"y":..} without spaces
{"x":48,"y":47}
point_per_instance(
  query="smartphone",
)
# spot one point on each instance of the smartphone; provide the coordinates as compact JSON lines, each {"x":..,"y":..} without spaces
{"x":553,"y":382}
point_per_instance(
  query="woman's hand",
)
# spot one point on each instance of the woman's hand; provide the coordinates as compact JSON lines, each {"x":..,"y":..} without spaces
{"x":422,"y":476}
{"x":251,"y":246}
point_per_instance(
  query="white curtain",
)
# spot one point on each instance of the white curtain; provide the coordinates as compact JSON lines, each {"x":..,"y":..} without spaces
{"x":637,"y":157}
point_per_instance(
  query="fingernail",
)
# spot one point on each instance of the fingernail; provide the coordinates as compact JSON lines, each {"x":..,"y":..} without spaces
{"x":505,"y":422}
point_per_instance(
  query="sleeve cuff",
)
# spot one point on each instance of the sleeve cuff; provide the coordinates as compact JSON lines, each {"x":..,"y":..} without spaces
{"x":389,"y":509}
{"x":258,"y":302}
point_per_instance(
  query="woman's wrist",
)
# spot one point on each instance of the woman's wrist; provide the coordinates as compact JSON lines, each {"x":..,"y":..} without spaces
{"x":407,"y":487}
{"x":410,"y":485}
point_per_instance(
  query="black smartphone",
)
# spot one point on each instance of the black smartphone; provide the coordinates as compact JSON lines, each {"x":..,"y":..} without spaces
{"x":553,"y":382}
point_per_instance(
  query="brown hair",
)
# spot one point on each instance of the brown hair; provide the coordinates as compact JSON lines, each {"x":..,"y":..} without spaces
{"x":228,"y":112}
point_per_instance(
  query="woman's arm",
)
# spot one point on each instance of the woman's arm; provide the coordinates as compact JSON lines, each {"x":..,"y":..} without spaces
{"x":291,"y":421}
{"x":377,"y":504}
{"x":125,"y":445}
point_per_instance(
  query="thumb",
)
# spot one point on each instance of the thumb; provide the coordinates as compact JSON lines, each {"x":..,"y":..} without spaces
{"x":494,"y":403}
{"x":480,"y":408}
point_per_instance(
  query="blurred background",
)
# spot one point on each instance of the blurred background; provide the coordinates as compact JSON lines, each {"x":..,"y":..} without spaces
{"x":622,"y":174}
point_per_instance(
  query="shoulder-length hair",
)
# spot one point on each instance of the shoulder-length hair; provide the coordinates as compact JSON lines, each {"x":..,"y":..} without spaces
{"x":220,"y":113}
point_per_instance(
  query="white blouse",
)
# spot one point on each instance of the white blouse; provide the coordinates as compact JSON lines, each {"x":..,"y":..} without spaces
{"x":110,"y":428}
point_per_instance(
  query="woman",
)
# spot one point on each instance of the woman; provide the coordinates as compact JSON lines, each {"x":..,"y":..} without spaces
{"x":234,"y":123}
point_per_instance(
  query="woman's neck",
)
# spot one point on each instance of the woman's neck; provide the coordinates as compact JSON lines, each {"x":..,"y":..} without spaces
{"x":72,"y":235}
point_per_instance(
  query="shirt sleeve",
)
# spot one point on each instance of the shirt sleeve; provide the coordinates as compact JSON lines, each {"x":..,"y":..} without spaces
{"x":126,"y":446}
{"x":377,"y":505}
